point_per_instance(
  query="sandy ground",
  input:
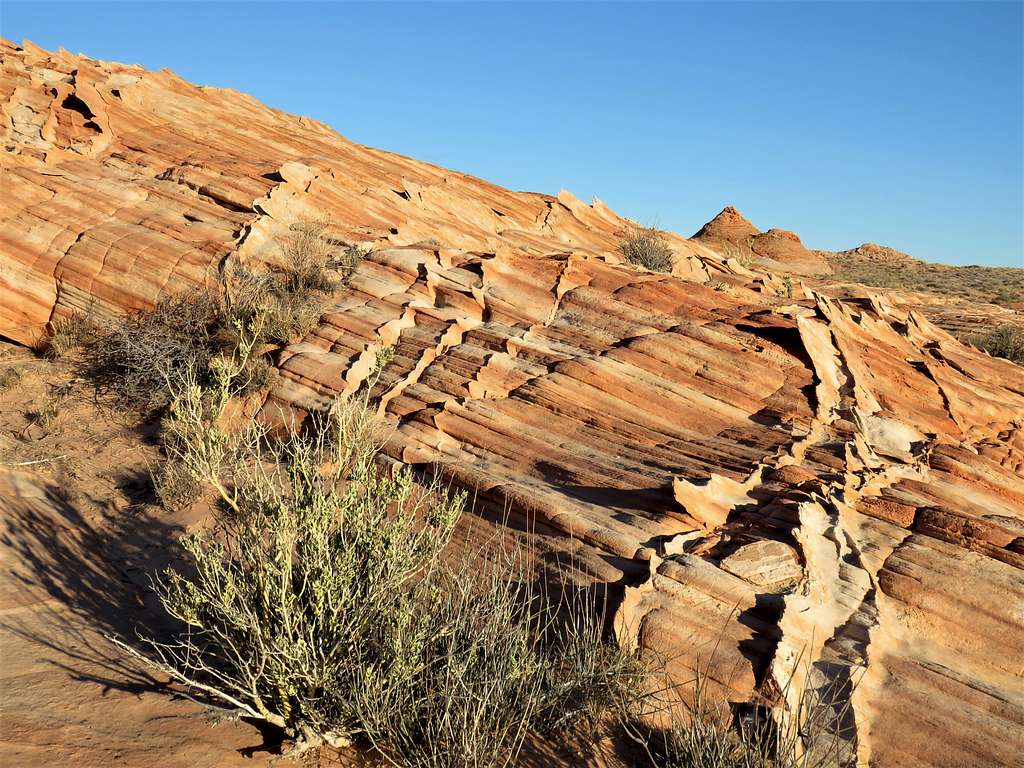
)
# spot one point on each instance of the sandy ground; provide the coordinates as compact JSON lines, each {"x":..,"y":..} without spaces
{"x":80,"y":536}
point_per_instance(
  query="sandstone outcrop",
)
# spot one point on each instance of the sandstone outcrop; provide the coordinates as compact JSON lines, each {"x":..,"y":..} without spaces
{"x":777,"y":249}
{"x":796,"y":493}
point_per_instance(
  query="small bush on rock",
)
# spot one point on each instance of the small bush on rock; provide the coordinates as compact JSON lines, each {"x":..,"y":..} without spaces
{"x":646,"y":247}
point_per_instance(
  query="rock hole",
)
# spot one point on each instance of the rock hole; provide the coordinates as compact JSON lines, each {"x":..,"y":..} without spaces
{"x":75,"y":104}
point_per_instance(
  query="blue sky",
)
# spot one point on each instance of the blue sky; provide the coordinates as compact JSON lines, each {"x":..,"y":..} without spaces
{"x":898,"y":123}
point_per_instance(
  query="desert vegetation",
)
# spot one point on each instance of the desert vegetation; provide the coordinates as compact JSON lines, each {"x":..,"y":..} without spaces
{"x":320,"y":603}
{"x":994,"y":285}
{"x":329,"y":596}
{"x":131,"y":357}
{"x":646,"y":247}
{"x":1005,"y":341}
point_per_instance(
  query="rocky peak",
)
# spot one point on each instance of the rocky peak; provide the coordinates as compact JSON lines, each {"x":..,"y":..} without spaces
{"x":729,"y":225}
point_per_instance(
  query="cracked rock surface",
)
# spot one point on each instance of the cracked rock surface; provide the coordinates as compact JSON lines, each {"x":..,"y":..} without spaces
{"x":793,"y":494}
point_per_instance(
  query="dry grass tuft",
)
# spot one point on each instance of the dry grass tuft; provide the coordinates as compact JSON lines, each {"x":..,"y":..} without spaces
{"x":70,"y":335}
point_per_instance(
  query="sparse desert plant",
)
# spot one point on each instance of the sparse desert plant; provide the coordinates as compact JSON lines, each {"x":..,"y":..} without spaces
{"x":701,"y":733}
{"x":785,"y":291}
{"x":69,"y":334}
{"x":307,"y":259}
{"x":175,"y":487}
{"x":313,"y":263}
{"x":195,"y":439}
{"x":482,"y":666}
{"x":742,"y":254}
{"x":1005,"y":341}
{"x":646,"y":247}
{"x":297,"y":586}
{"x":293,"y":298}
{"x":10,"y":377}
{"x":132,"y":356}
{"x":320,"y":602}
{"x":48,"y":415}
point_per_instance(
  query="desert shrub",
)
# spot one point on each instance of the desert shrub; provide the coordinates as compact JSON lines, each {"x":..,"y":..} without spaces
{"x":69,"y":334}
{"x":175,"y":488}
{"x":481,"y":666}
{"x":284,"y":314}
{"x":133,"y":356}
{"x":291,"y":299}
{"x":702,"y":734}
{"x":10,"y":377}
{"x":313,"y":263}
{"x":785,"y":291}
{"x":646,"y":247}
{"x":1005,"y":341}
{"x":320,"y":602}
{"x":307,"y":257}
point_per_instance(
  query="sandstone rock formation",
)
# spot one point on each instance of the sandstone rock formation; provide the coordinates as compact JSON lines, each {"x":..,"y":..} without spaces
{"x":794,"y":492}
{"x":964,"y":300}
{"x":776,"y":250}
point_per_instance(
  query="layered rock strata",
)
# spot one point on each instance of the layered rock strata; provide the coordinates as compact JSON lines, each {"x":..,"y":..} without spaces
{"x":797,"y":495}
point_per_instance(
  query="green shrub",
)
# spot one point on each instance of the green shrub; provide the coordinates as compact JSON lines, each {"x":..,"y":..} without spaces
{"x":320,"y":602}
{"x":1005,"y":341}
{"x":646,"y":247}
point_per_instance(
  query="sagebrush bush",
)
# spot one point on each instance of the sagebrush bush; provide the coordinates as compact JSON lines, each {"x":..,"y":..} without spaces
{"x":320,"y":603}
{"x":700,"y":733}
{"x":1005,"y":341}
{"x":481,"y":665}
{"x":646,"y":247}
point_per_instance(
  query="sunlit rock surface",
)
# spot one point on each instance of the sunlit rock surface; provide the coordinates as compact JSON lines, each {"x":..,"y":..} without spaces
{"x":787,"y":490}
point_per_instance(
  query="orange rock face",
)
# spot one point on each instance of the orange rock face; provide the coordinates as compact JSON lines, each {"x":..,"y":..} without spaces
{"x":787,"y":492}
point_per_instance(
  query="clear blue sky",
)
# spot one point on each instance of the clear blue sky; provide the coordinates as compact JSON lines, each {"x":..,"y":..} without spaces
{"x":897,"y":123}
